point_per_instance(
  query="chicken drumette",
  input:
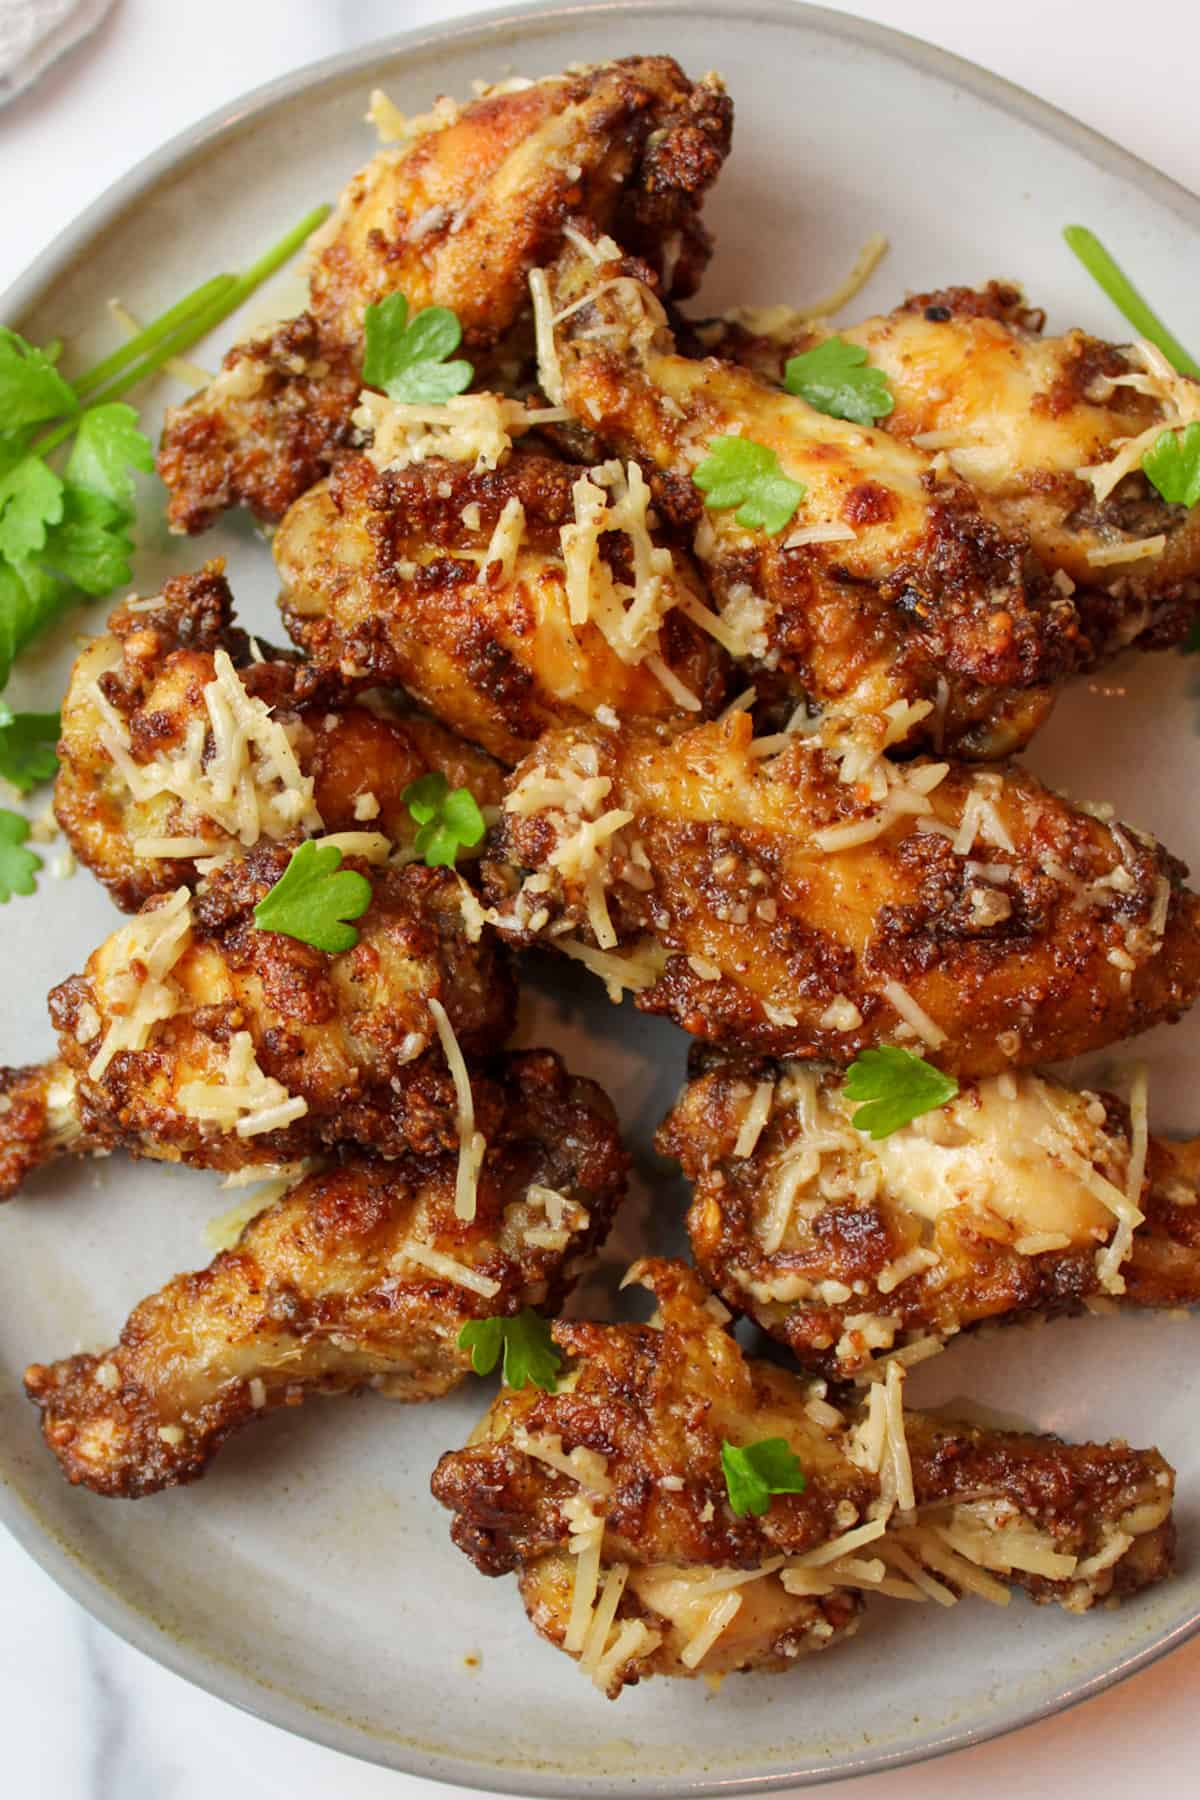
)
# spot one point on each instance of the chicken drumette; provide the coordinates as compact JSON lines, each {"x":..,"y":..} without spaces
{"x":362,"y":1275}
{"x":609,"y":1499}
{"x":1019,"y":1197}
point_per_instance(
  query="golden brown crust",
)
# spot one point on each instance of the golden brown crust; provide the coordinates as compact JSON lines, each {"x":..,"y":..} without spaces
{"x":317,"y":1296}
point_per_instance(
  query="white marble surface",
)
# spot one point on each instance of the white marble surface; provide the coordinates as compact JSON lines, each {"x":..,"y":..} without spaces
{"x":81,"y":1716}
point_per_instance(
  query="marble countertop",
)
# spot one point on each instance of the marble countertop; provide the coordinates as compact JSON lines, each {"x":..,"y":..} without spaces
{"x":82,"y":1717}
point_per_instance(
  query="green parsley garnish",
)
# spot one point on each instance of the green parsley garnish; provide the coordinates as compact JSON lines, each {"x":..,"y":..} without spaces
{"x":407,"y":357}
{"x":17,"y":865}
{"x":753,"y":1472}
{"x":1172,"y":463}
{"x":738,"y":472}
{"x":449,"y":819}
{"x":28,"y":743}
{"x":834,"y":377}
{"x":896,"y":1087}
{"x":529,"y":1353}
{"x":313,"y":899}
{"x":1109,"y":275}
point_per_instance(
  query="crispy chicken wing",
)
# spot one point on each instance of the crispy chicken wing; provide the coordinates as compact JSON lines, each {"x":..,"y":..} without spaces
{"x":1020,"y":1197}
{"x":888,"y":585}
{"x":1019,"y":416}
{"x":609,"y":1500}
{"x":456,"y":215}
{"x":767,"y":894}
{"x":193,"y":1036}
{"x":407,"y":575}
{"x":168,"y":752}
{"x":359,"y":1276}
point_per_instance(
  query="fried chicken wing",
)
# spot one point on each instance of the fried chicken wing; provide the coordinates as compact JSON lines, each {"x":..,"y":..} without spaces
{"x":178,"y":743}
{"x":459,"y":584}
{"x":609,"y":1500}
{"x":456,"y":215}
{"x":767,"y":894}
{"x":888,"y":585}
{"x":193,"y":1036}
{"x":363,"y":1275}
{"x":1020,"y":1197}
{"x":1043,"y":430}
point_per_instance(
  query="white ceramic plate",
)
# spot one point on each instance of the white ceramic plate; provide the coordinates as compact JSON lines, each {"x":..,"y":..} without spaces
{"x":310,"y":1578}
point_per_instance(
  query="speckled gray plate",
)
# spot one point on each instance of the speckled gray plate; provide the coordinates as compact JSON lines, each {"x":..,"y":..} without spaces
{"x":310,"y":1578}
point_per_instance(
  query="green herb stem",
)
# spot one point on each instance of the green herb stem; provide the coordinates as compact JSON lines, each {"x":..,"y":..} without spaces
{"x":191,"y":305}
{"x":1109,"y":275}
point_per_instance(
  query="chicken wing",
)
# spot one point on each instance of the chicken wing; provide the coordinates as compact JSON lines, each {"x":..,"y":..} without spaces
{"x":180,"y":741}
{"x":461,"y":584}
{"x":360,"y":1276}
{"x":767,"y":894}
{"x":888,"y":586}
{"x":456,"y":215}
{"x":1048,"y":432}
{"x":193,"y":1036}
{"x":1020,"y":1197}
{"x":609,"y":1500}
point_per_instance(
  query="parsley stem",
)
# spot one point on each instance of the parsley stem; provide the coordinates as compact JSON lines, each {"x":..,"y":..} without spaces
{"x":154,"y":333}
{"x":1109,"y":275}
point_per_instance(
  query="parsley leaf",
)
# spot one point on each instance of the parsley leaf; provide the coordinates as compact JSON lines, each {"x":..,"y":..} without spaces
{"x":449,"y":819}
{"x":30,"y":598}
{"x":28,"y":747}
{"x":313,"y":899}
{"x":896,"y":1086}
{"x":17,"y":865}
{"x":107,"y":445}
{"x":407,"y":359}
{"x":753,"y":1472}
{"x":1173,"y":465}
{"x":31,"y":388}
{"x":529,"y":1353}
{"x":31,"y":499}
{"x":90,"y":545}
{"x":835,"y":378}
{"x":738,"y":472}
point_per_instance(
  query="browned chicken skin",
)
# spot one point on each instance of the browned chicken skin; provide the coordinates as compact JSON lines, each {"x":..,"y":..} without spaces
{"x":624,"y":1462}
{"x":1002,"y":1205}
{"x":326,"y":1291}
{"x":456,"y":216}
{"x":385,"y":578}
{"x":192,"y":1036}
{"x":768,"y":902}
{"x":127,"y":787}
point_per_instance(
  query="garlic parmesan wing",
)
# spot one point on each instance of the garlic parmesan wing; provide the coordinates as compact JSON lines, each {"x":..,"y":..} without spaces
{"x":609,"y":1501}
{"x":359,"y":1276}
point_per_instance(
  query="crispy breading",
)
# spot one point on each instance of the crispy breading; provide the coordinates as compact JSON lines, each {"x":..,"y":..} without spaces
{"x":456,"y":217}
{"x":636,"y":1430}
{"x":319,"y":1296}
{"x":979,"y":1210}
{"x":1045,"y":933}
{"x":384,"y":578}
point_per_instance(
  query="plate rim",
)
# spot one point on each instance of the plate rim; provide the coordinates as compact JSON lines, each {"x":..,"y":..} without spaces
{"x":18,"y":1514}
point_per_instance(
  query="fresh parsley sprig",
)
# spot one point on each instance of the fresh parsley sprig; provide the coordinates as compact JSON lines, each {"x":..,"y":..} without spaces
{"x":28,"y":743}
{"x":406,"y":357}
{"x":738,"y":472}
{"x":836,"y":379}
{"x":530,"y":1358}
{"x":449,"y":819}
{"x":753,"y":1472}
{"x":18,"y":866}
{"x":314,"y":898}
{"x":895,"y":1087}
{"x":1172,"y":463}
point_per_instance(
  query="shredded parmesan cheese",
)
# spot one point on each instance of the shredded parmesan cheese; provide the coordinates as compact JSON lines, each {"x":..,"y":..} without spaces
{"x":446,"y":1266}
{"x":242,"y":1098}
{"x":471,"y":1145}
{"x":135,"y":988}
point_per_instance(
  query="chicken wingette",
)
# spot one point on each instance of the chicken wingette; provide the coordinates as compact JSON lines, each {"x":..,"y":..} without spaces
{"x":770,"y":895}
{"x":182,"y":741}
{"x":886,"y":586}
{"x":194,"y":1036}
{"x":359,"y":1276}
{"x":455,"y":215}
{"x":1020,"y":1197}
{"x":610,"y":1500}
{"x":1048,"y":432}
{"x":462,"y":584}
